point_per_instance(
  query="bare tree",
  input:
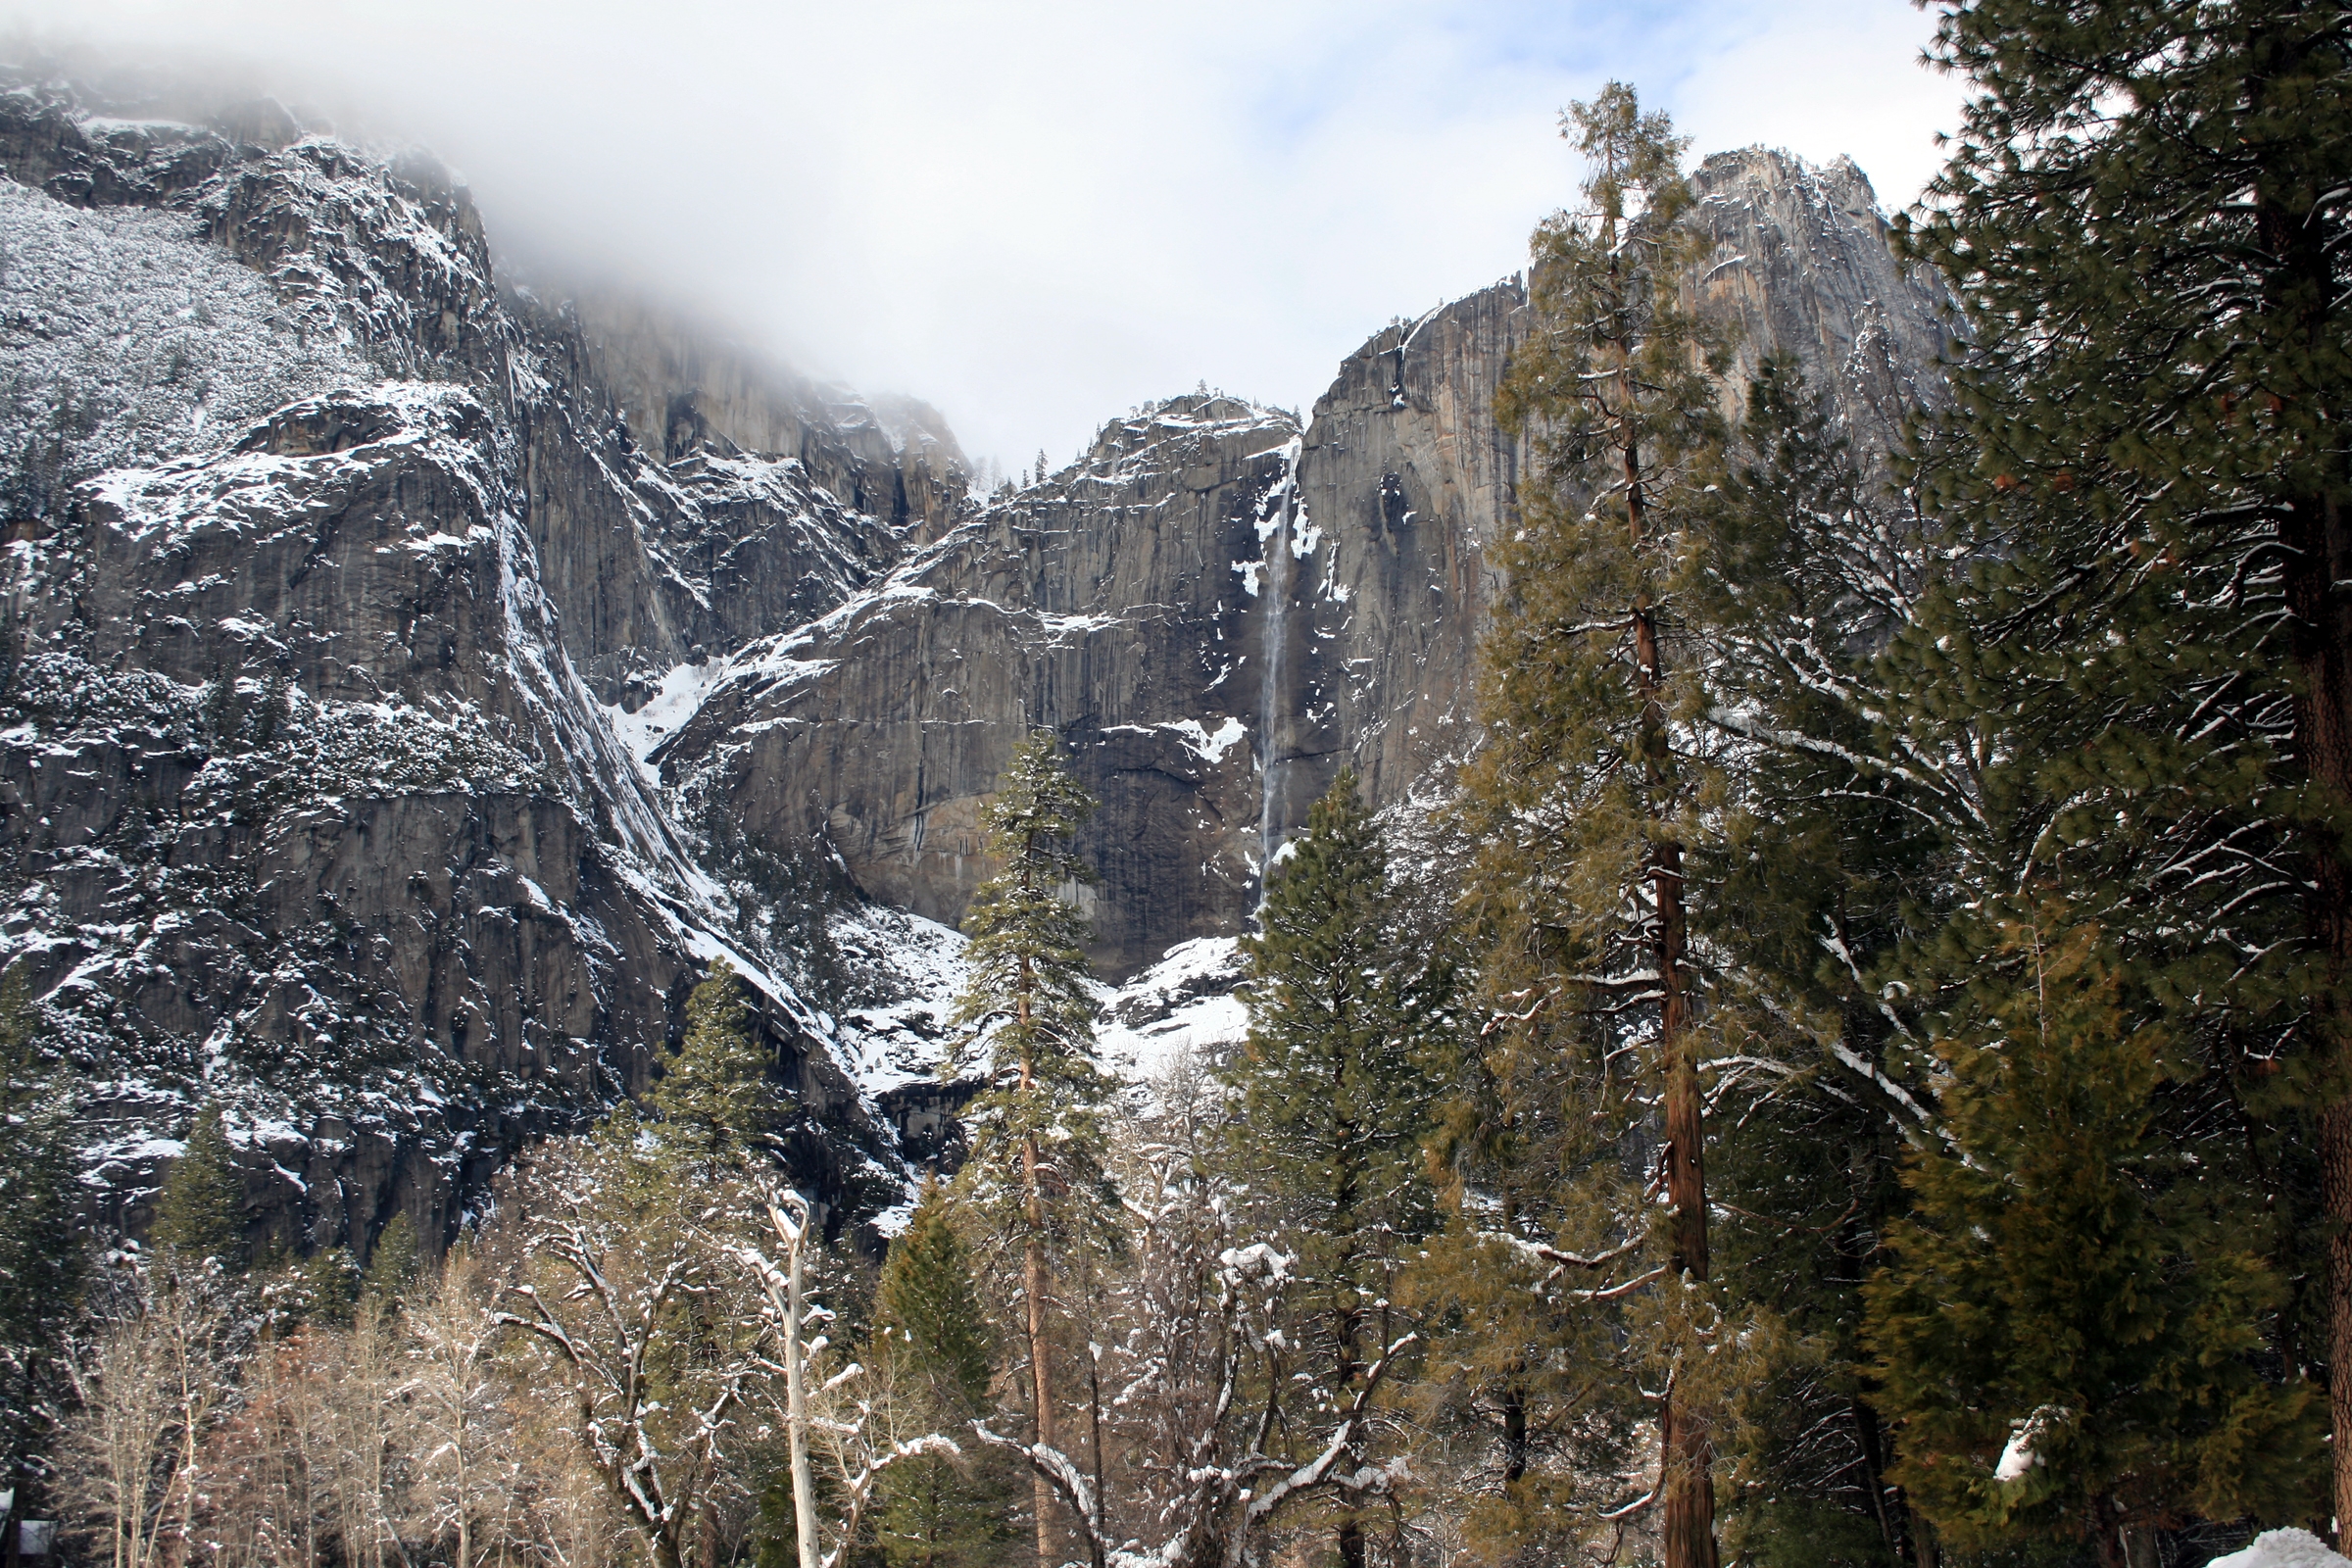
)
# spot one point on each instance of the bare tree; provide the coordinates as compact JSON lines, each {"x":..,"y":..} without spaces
{"x":1201,"y":1314}
{"x":150,"y":1388}
{"x":273,"y":1470}
{"x":850,"y":1418}
{"x":453,"y":1412}
{"x":633,"y":1296}
{"x":363,"y":1373}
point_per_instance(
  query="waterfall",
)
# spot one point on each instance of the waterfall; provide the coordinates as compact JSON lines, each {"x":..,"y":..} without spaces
{"x":1275,"y":535}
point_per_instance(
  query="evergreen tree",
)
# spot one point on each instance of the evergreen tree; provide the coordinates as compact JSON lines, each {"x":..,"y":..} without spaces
{"x":714,"y":1101}
{"x":41,"y":1249}
{"x":394,"y":1265}
{"x":932,"y":1336}
{"x":2147,"y":220}
{"x":1331,"y":1110}
{"x":1834,"y":849}
{"x":321,"y":1287}
{"x":2069,"y":1334}
{"x":927,"y":1314}
{"x":200,"y":1216}
{"x":1932,"y":756}
{"x":1585,"y":795}
{"x":1035,"y":1176}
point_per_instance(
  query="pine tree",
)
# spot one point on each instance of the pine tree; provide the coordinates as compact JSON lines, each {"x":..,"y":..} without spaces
{"x":1835,"y":848}
{"x":1331,"y":1111}
{"x":2069,"y":1335}
{"x":394,"y":1265}
{"x":200,"y":1216}
{"x":2147,"y":219}
{"x":714,"y":1101}
{"x":41,"y":1250}
{"x":1585,"y":795}
{"x":932,"y":1335}
{"x":927,"y":1312}
{"x":1035,"y":1177}
{"x":1939,"y":750}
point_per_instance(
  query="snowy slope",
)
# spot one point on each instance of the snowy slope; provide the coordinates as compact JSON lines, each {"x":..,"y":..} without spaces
{"x":307,"y":809}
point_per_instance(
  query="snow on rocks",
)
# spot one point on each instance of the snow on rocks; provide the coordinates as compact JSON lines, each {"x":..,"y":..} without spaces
{"x":2282,"y":1548}
{"x":677,"y":694}
{"x":125,"y":338}
{"x":1183,"y":1003}
{"x":905,"y":971}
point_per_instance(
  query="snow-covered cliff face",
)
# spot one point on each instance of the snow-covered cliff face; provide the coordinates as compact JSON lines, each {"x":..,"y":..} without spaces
{"x":328,"y":569}
{"x":411,"y":683}
{"x":1221,"y":609}
{"x":1124,"y":603}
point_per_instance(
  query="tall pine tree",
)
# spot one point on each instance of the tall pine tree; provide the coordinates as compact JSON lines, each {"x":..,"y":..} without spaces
{"x":2069,"y":1332}
{"x":2147,"y":220}
{"x":1035,"y":1178}
{"x":932,"y":1335}
{"x":714,"y":1102}
{"x":42,"y":1247}
{"x":200,"y":1216}
{"x":1330,"y":1108}
{"x":1585,"y":796}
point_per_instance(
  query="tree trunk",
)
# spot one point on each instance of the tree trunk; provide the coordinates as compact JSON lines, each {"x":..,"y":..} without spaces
{"x":1033,"y":1255}
{"x":2299,"y":292}
{"x":1687,"y":1461}
{"x":1033,"y":1282}
{"x":796,"y":1396}
{"x":1094,"y":1394}
{"x":1514,"y":1432}
{"x":1874,"y":1475}
{"x":2319,"y":555}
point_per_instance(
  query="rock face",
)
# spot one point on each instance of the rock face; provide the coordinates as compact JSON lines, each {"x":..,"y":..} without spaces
{"x":1219,"y":610}
{"x":411,"y":684}
{"x":329,"y":563}
{"x":1123,"y":605}
{"x":1801,"y":264}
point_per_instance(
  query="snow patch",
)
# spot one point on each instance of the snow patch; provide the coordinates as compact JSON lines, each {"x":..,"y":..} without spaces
{"x":674,"y":700}
{"x":125,"y":338}
{"x":906,"y":972}
{"x":1305,"y":534}
{"x":1211,"y":746}
{"x":2018,"y":1460}
{"x":1183,"y":1003}
{"x":2282,"y":1548}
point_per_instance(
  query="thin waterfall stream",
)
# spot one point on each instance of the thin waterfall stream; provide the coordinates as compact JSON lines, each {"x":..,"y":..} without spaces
{"x":1274,"y":639}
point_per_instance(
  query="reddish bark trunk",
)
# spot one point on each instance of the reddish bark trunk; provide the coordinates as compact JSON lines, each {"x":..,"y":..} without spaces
{"x":1688,"y":1457}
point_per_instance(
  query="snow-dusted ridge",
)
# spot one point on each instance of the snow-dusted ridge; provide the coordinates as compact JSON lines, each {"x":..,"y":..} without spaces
{"x":1185,"y":1004}
{"x":315,"y":809}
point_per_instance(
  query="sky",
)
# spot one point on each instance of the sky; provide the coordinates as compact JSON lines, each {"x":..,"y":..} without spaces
{"x":1036,"y":215}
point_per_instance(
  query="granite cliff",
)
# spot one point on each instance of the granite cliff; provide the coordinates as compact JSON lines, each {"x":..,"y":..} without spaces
{"x":1219,"y":606}
{"x":414,"y":682}
{"x":331,"y":565}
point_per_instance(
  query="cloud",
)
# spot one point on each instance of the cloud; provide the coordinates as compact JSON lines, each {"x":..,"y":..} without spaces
{"x":1037,"y":215}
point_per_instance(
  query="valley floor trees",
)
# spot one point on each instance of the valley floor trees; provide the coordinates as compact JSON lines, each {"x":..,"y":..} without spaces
{"x":1326,"y":1129}
{"x":1585,"y":798}
{"x":1034,"y":1184}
